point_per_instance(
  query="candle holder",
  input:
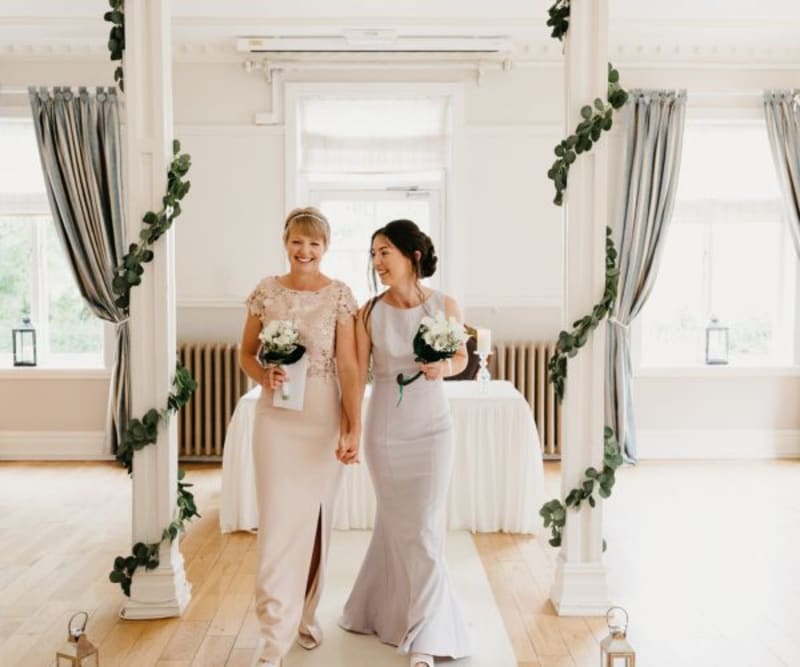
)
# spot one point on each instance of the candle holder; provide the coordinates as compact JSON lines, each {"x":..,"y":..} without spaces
{"x":483,"y":377}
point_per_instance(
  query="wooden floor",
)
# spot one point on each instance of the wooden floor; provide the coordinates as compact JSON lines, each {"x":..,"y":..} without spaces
{"x":704,"y":555}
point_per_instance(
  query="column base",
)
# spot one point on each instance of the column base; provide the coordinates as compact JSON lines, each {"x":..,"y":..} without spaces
{"x":160,"y":593}
{"x":580,"y":589}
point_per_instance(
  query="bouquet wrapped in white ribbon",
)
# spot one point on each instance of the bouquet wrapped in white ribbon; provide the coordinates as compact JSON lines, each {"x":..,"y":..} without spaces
{"x":280,"y":346}
{"x":437,"y":338}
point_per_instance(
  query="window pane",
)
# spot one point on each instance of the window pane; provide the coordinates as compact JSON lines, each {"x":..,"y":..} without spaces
{"x":352,"y":224}
{"x":673,"y":321}
{"x":745,"y":287}
{"x":73,"y":328}
{"x":16,"y":256}
{"x":736,"y":267}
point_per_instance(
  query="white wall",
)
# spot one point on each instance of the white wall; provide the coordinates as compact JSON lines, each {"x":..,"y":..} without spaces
{"x":229,"y":235}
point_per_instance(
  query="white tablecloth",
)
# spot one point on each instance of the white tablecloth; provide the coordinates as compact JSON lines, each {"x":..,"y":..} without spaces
{"x":497,"y":483}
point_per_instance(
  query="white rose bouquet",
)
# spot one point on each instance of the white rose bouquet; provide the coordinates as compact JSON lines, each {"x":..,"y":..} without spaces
{"x":280,"y":345}
{"x":437,"y":338}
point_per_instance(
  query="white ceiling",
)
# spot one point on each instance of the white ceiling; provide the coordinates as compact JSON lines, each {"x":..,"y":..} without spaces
{"x":643,"y":25}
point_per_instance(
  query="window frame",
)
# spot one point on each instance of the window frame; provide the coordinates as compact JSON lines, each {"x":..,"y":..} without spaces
{"x":450,"y":246}
{"x":389,"y":191}
{"x":714,"y":116}
{"x":49,"y":365}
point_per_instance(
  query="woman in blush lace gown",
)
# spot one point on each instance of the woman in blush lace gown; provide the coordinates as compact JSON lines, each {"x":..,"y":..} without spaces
{"x":403,"y":592}
{"x":298,"y":454}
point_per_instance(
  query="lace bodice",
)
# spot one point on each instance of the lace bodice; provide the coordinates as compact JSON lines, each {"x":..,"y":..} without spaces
{"x":314,"y":313}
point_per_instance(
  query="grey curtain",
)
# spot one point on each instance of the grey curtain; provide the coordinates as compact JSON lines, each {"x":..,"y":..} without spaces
{"x":782,"y":109}
{"x":654,"y":137}
{"x":79,"y":146}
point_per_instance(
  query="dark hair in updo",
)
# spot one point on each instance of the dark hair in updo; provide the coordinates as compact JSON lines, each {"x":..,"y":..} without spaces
{"x":409,"y":239}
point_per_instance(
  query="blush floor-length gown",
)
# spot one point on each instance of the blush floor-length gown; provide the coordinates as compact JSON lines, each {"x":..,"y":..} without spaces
{"x":296,"y":471}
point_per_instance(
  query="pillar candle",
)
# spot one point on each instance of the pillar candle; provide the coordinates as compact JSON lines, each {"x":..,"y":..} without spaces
{"x":484,"y":341}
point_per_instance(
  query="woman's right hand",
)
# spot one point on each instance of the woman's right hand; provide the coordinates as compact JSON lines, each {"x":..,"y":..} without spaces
{"x":273,"y":377}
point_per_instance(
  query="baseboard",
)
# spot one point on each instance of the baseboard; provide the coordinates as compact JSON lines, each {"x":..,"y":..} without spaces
{"x":718,"y":444}
{"x":54,"y":446}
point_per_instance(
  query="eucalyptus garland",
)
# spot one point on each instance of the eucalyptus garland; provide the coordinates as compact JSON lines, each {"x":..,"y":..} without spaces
{"x":146,"y":555}
{"x":144,"y":431}
{"x":116,"y":38}
{"x":595,"y":121}
{"x":559,"y":19}
{"x":569,"y":342}
{"x":129,"y":273}
{"x":554,"y":512}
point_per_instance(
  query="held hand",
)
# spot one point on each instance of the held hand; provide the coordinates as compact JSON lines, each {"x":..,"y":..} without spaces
{"x":272,"y":377}
{"x":434,"y":371}
{"x":347,"y":449}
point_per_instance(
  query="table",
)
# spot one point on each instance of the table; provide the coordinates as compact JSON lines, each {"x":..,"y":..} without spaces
{"x":497,"y":482}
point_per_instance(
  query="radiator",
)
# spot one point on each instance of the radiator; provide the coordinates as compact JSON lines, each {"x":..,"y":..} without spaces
{"x":525,"y":365}
{"x":220,"y":383}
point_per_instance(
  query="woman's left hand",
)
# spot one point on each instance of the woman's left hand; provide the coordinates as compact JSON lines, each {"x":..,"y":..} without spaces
{"x":433,"y":371}
{"x":347,"y":449}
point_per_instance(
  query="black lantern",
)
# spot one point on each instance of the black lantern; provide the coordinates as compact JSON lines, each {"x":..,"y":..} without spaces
{"x":716,"y":343}
{"x":24,"y":341}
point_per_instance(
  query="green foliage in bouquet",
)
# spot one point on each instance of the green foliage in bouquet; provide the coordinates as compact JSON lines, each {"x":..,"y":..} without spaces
{"x":272,"y":357}
{"x":424,"y":354}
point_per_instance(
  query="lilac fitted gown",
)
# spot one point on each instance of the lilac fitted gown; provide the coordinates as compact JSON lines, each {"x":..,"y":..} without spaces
{"x":403,"y":591}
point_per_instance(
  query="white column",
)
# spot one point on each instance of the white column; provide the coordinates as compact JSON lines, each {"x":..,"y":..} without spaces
{"x":581,"y":587}
{"x":148,"y":113}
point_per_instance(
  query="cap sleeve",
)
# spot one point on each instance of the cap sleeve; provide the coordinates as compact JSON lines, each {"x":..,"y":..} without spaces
{"x":346,"y":305}
{"x":255,"y":301}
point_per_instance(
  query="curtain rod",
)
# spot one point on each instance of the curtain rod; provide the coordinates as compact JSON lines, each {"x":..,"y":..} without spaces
{"x":18,"y":90}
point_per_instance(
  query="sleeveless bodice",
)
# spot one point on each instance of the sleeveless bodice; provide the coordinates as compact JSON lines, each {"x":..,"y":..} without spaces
{"x":392,"y":331}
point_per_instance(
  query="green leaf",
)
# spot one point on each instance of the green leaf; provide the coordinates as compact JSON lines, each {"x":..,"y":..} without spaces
{"x":586,"y":112}
{"x":116,"y":577}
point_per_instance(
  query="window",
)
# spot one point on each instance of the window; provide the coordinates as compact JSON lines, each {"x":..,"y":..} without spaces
{"x":355,"y":215}
{"x":35,"y":277}
{"x":367,"y":159}
{"x":727,"y":254}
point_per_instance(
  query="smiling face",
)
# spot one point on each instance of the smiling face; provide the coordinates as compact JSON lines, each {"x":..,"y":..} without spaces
{"x":391,"y":265}
{"x":304,"y":252}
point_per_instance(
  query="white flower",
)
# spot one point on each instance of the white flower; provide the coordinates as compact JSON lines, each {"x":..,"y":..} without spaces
{"x":279,"y":336}
{"x":442,"y":334}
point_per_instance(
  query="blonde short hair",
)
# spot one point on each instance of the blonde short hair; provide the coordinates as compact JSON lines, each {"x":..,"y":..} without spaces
{"x":309,"y":221}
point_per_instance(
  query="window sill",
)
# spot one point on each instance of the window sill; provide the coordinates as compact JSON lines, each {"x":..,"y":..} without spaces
{"x":716,"y":371}
{"x":52,"y":373}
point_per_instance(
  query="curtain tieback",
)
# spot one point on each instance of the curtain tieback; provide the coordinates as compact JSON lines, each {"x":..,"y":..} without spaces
{"x":614,"y":320}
